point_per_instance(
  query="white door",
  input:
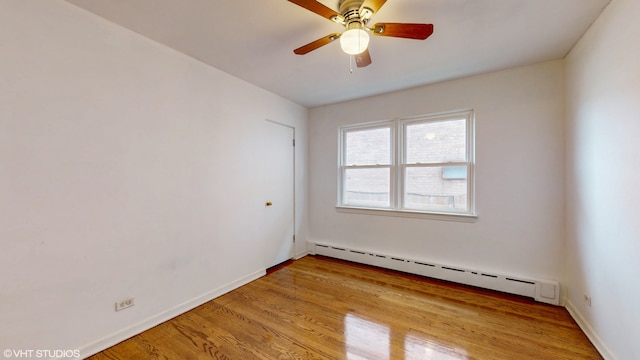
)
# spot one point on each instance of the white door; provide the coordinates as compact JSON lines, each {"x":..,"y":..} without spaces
{"x":278,"y":176}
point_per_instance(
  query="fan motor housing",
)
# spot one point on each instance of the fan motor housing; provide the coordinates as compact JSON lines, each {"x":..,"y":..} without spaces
{"x":350,"y":10}
{"x":346,"y":5}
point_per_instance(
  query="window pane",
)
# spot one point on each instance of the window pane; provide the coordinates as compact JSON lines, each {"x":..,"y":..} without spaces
{"x":367,"y":187}
{"x":436,"y":142}
{"x":426,"y":188}
{"x":368,"y":147}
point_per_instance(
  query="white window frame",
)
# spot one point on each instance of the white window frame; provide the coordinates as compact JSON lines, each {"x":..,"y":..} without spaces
{"x":343,"y":167}
{"x":398,"y":166}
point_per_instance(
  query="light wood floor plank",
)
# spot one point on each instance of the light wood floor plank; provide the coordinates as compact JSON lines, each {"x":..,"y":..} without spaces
{"x":320,"y":308}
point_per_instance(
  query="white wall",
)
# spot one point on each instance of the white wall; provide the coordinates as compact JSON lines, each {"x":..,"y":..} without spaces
{"x":126,"y":169}
{"x":520,"y":175}
{"x":603,"y":174}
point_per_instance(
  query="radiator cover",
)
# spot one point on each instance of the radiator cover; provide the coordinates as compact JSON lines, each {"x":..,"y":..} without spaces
{"x":546,"y":291}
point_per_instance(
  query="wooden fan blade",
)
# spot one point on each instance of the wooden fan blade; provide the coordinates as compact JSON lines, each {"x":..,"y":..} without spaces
{"x":363,"y":59}
{"x":319,"y":9}
{"x":374,"y":5}
{"x":316,"y":44}
{"x":407,"y":31}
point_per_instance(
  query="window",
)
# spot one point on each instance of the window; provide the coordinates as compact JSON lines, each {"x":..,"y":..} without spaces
{"x":368,"y":160}
{"x":414,"y":165}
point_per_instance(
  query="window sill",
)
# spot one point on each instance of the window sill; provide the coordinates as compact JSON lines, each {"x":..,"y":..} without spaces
{"x":470,"y":218}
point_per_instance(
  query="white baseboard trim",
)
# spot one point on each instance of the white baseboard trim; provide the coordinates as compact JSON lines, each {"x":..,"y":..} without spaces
{"x":300,"y":255}
{"x":602,"y":348}
{"x":121,"y":335}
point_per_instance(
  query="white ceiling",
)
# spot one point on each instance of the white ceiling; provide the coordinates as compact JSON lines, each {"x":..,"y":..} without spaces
{"x":254,"y":40}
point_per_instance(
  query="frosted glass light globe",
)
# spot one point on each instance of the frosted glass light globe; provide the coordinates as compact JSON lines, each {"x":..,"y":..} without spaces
{"x":354,"y":41}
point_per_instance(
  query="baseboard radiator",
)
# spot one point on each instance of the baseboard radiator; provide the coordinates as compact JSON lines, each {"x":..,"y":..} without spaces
{"x":545,"y":291}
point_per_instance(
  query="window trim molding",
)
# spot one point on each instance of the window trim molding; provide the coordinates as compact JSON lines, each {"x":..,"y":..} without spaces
{"x":461,"y":217}
{"x":342,"y":131}
{"x":397,"y":128}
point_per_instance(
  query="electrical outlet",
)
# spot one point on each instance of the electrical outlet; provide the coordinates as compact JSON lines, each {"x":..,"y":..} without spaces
{"x":124,"y":303}
{"x":587,"y":299}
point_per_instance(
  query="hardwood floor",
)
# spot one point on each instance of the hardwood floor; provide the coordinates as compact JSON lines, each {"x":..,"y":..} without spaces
{"x":320,"y":308}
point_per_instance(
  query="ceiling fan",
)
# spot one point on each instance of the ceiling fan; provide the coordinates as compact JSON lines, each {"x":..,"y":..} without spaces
{"x":354,"y":16}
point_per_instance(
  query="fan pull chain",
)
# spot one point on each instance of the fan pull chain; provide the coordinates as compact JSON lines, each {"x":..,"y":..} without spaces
{"x":351,"y":64}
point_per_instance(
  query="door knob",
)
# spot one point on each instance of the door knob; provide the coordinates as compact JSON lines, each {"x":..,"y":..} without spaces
{"x":269,"y":203}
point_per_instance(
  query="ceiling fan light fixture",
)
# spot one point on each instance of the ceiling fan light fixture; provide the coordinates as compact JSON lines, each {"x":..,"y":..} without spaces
{"x":354,"y":41}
